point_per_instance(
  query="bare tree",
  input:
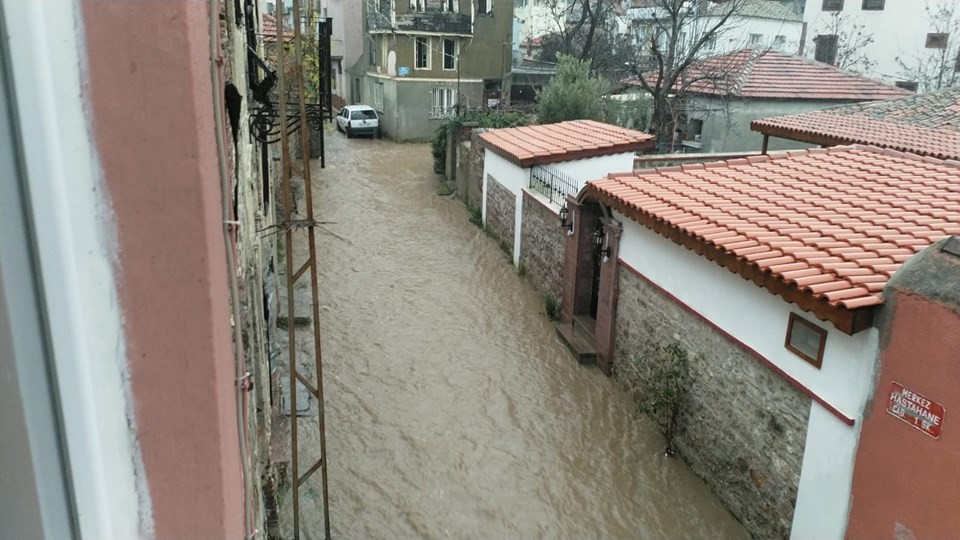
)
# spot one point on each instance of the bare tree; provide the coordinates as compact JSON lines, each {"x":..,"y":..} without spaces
{"x":938,"y":65}
{"x":585,"y":30}
{"x":672,"y":55}
{"x":842,"y":41}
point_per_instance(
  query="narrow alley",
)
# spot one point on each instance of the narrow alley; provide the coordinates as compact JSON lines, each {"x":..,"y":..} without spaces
{"x":452,"y":409}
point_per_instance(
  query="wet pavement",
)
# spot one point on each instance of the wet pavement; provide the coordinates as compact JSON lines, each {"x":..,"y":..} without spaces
{"x":452,"y":409}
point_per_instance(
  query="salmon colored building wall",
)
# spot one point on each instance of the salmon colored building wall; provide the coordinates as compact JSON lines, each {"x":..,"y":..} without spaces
{"x":151,"y":106}
{"x":906,"y":483}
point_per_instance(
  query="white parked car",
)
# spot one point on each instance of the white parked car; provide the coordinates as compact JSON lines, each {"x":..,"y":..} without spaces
{"x":358,"y":120}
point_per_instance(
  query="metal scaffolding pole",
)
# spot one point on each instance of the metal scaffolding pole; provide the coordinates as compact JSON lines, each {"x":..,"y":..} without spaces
{"x":317,"y":456}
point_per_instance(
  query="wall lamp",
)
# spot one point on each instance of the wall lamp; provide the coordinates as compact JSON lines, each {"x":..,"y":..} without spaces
{"x":600,"y":243}
{"x":565,"y":221}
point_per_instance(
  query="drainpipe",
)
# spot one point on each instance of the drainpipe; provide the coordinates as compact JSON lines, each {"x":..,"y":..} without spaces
{"x":766,"y":139}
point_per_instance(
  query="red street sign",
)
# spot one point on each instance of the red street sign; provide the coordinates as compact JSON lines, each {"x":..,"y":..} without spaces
{"x":916,"y":410}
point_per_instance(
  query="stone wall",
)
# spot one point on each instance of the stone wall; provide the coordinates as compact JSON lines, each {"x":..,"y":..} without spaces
{"x":744,"y":428}
{"x":256,"y":256}
{"x":501,"y":213}
{"x":542,"y":246}
{"x":469,"y":175}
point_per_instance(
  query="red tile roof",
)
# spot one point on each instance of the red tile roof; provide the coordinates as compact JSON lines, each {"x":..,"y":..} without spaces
{"x":825,"y":228}
{"x":269,"y":30}
{"x":926,"y":124}
{"x":774,"y":75}
{"x":564,"y":141}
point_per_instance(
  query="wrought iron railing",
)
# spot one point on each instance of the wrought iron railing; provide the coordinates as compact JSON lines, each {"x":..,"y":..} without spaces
{"x":552,"y":183}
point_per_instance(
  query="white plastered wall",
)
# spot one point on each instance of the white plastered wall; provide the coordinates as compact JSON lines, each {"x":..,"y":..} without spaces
{"x":759,"y":318}
{"x":516,"y":179}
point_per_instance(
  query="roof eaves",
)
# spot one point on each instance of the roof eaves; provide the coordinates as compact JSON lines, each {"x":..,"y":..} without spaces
{"x":849,"y":321}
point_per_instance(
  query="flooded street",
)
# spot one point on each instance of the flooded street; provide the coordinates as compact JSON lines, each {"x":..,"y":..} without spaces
{"x":452,"y":409}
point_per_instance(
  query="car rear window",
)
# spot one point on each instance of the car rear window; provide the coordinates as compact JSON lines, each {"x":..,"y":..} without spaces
{"x":363,"y":115}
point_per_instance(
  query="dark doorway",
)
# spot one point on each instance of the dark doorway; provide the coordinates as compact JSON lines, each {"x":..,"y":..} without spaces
{"x":597,"y":258}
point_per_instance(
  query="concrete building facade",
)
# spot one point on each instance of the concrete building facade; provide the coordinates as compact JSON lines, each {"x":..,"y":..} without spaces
{"x":424,"y":60}
{"x":913,"y":43}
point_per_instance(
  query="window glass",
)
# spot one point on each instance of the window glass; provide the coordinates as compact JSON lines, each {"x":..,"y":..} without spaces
{"x":806,"y":339}
{"x":832,"y":5}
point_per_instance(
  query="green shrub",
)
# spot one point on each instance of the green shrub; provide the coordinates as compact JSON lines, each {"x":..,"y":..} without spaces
{"x":551,"y":306}
{"x":666,"y":392}
{"x":573,"y":94}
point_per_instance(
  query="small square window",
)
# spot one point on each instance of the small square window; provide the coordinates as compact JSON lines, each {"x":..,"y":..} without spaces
{"x":937,"y":41}
{"x":756,"y":39}
{"x":806,"y":339}
{"x":826,"y":48}
{"x":832,"y":5}
{"x":872,"y":5}
{"x":907,"y":85}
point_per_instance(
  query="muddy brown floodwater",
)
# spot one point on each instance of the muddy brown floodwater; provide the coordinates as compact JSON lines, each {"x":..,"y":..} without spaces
{"x":452,"y":409}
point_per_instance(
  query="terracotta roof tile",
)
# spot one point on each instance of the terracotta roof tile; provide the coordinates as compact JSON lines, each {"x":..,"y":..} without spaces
{"x":813,"y":225}
{"x":775,"y":75}
{"x":926,"y":124}
{"x":565,"y":141}
{"x":269,"y":30}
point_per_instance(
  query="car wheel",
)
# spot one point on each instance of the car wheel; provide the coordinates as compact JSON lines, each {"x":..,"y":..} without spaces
{"x":340,"y":129}
{"x":349,"y":133}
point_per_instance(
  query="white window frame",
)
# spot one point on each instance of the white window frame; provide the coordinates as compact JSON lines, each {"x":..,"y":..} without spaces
{"x":450,"y":6}
{"x":416,"y":53}
{"x":418,"y":5}
{"x":378,"y":96}
{"x":443,"y":100}
{"x":489,"y":10}
{"x":456,"y":54}
{"x":73,"y":223}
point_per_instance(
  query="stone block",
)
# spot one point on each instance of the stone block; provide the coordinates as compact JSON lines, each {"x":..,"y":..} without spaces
{"x":745,"y":426}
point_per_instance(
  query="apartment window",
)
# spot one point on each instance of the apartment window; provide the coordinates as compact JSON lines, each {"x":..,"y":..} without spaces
{"x":520,"y":3}
{"x":444,"y":103}
{"x":378,"y":97}
{"x":937,"y":41}
{"x":872,"y":5}
{"x":373,"y":52}
{"x":418,"y":5}
{"x":421,"y":53}
{"x":826,"y":49}
{"x":832,"y":5}
{"x":711,"y":43}
{"x":779,"y":42}
{"x":449,"y":6}
{"x":449,"y":54}
{"x":907,"y":85}
{"x":756,"y":39}
{"x":956,"y":66}
{"x":484,"y":7}
{"x":806,"y":340}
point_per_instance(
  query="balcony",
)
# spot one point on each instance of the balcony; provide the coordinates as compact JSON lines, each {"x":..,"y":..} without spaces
{"x":423,"y":21}
{"x":435,"y":21}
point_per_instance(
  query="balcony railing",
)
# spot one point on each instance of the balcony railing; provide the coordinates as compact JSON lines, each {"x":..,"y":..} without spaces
{"x":435,"y":21}
{"x":553,"y":184}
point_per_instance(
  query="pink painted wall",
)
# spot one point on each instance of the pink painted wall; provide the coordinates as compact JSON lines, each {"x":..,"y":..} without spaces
{"x":905,"y":481}
{"x":152,"y":120}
